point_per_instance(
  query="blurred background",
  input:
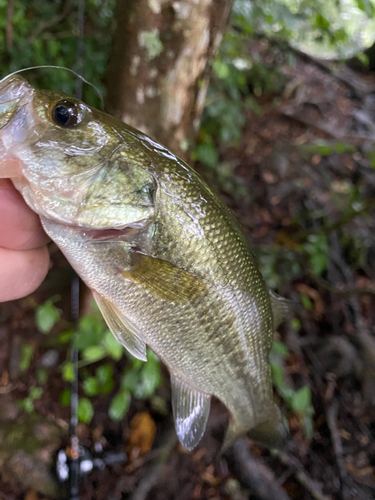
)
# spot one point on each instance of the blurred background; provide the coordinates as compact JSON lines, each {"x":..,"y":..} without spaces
{"x":273,"y":102}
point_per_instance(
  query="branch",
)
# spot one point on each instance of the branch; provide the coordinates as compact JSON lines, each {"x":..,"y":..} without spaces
{"x":336,"y":439}
{"x":313,"y":487}
{"x":328,"y":229}
{"x":50,"y":23}
{"x":254,"y":474}
{"x":345,"y":292}
{"x":156,"y":467}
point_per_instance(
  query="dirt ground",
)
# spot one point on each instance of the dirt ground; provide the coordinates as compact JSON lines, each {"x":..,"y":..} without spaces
{"x":286,"y":191}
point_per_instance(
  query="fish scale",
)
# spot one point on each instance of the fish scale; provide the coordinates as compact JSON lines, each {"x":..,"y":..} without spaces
{"x":168,"y":264}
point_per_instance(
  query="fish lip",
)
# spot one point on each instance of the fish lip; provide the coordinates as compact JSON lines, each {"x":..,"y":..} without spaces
{"x":15,"y":92}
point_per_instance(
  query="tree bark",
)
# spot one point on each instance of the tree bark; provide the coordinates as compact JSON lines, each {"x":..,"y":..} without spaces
{"x":158,"y":71}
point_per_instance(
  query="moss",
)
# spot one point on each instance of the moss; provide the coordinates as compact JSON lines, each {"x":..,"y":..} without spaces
{"x":151,"y":42}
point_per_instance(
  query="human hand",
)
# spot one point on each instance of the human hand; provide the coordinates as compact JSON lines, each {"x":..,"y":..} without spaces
{"x":24,"y":258}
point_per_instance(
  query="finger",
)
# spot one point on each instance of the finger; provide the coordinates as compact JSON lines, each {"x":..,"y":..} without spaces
{"x":20,"y":227}
{"x":22,"y":271}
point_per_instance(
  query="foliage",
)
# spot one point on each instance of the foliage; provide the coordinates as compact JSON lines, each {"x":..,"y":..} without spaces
{"x":27,"y":404}
{"x":46,"y":33}
{"x":97,"y":344}
{"x":299,"y":401}
{"x":47,"y":315}
{"x":103,"y":361}
{"x":240,"y":76}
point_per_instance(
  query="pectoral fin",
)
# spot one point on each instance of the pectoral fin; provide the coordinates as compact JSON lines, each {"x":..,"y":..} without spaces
{"x":190,"y":410}
{"x":124,"y":332}
{"x":280,"y":308}
{"x":164,"y":279}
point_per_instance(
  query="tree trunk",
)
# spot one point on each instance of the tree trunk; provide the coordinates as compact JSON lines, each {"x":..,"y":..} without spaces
{"x":158,"y":73}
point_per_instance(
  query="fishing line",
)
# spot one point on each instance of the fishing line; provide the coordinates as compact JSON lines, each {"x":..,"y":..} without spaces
{"x":79,"y":77}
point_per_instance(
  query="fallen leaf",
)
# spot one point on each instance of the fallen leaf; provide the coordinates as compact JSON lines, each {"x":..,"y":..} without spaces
{"x":142,"y":432}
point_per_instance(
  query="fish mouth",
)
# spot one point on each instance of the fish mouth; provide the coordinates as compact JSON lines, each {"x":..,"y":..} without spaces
{"x":111,"y":234}
{"x":126,"y":233}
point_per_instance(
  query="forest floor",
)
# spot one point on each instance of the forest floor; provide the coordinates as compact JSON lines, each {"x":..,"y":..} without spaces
{"x":302,"y":184}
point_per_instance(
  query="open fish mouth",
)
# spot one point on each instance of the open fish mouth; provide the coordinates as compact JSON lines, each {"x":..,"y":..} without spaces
{"x":111,"y":234}
{"x":125,"y":233}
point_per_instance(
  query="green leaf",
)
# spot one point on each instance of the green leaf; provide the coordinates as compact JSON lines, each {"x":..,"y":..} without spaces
{"x":35,"y":392}
{"x":27,"y":404}
{"x":91,"y":386}
{"x":307,"y":304}
{"x":280,"y":348}
{"x":85,"y":410}
{"x":46,"y":316}
{"x":93,"y":353}
{"x":207,"y":154}
{"x":90,"y":331}
{"x":112,"y":346}
{"x":366,"y":6}
{"x":68,"y":372}
{"x":104,"y":374}
{"x":301,"y":400}
{"x":319,"y":263}
{"x":119,"y":405}
{"x":65,"y":337}
{"x":26,"y":356}
{"x":150,"y":380}
{"x":130,"y":380}
{"x":296,"y":324}
{"x":65,"y":396}
{"x":317,"y":249}
{"x":42,"y":376}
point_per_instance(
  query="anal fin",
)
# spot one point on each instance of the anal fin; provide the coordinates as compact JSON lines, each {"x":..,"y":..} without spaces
{"x":191,"y":409}
{"x":123,"y":331}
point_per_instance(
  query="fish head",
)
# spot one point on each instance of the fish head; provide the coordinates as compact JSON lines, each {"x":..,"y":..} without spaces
{"x":72,"y":163}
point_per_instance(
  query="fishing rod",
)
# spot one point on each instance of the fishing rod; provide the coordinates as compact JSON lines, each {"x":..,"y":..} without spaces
{"x":75,"y":462}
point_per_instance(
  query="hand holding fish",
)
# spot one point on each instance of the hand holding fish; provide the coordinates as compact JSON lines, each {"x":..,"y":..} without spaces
{"x":24,"y":259}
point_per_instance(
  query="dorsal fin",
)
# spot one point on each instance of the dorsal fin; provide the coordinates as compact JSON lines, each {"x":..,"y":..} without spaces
{"x":190,"y":410}
{"x":280,"y":308}
{"x":124,"y":332}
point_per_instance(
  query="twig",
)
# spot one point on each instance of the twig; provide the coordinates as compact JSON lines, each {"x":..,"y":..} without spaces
{"x":322,"y":127}
{"x":330,"y":228}
{"x":336,"y":439}
{"x":313,"y":487}
{"x":156,"y":467}
{"x":43,"y":25}
{"x":344,"y":75}
{"x":345,"y":292}
{"x":254,"y":474}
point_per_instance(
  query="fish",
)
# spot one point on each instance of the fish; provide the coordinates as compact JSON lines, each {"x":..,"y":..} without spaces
{"x":167,"y":262}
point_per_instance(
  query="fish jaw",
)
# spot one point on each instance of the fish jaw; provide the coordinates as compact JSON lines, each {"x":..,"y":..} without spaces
{"x":15,"y":93}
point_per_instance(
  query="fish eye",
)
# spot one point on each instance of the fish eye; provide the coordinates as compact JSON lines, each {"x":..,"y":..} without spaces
{"x":67,"y":114}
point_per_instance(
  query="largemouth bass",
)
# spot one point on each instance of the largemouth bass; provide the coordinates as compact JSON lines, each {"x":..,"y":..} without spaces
{"x":168,"y":264}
